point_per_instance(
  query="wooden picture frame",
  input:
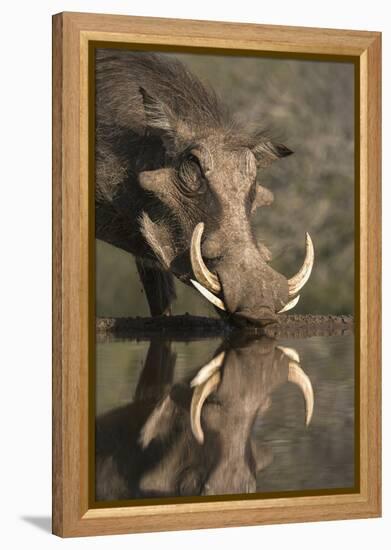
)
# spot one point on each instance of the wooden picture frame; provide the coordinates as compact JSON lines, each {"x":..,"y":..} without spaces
{"x":73,"y":34}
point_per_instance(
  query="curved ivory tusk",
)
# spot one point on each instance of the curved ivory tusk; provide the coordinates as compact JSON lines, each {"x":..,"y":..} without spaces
{"x":207,"y":370}
{"x":201,"y":272}
{"x":290,"y":352}
{"x":200,"y":395}
{"x":297,"y":376}
{"x":296,"y":283}
{"x":208,"y":295}
{"x":290,"y":305}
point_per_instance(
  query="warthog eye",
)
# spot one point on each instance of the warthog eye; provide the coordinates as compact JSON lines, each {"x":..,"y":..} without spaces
{"x":191,"y":174}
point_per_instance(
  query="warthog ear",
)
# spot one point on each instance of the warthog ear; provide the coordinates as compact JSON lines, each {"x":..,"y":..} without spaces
{"x":267,"y":152}
{"x":158,"y":115}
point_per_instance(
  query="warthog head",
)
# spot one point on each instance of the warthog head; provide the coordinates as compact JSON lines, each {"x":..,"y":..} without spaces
{"x":173,"y":163}
{"x":209,"y":188}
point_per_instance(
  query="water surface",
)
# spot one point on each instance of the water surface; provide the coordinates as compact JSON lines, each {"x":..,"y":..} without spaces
{"x":252,"y":423}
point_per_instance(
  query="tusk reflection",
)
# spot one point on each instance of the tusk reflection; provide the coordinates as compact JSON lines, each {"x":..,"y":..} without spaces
{"x":207,"y":370}
{"x":297,"y":376}
{"x":290,"y":352}
{"x":200,"y":395}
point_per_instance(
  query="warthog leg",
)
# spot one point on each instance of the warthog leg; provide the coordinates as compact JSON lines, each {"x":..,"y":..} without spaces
{"x":159,"y":288}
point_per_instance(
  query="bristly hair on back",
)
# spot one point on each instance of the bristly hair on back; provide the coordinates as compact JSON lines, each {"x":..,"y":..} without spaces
{"x":140,"y":93}
{"x":166,"y":80}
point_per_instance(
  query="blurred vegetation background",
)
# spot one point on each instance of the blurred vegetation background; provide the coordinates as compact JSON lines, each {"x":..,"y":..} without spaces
{"x":308,"y":106}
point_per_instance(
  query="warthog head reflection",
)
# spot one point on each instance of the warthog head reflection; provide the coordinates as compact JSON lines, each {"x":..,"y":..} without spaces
{"x":195,"y":438}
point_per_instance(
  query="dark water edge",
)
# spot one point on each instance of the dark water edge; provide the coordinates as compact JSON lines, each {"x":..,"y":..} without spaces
{"x":190,"y":327}
{"x":278,"y":452}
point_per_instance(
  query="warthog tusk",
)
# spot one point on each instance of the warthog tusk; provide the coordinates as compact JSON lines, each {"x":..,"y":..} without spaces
{"x":290,"y":352}
{"x":201,"y":272}
{"x":296,"y":283}
{"x":207,"y":370}
{"x":290,"y":305}
{"x":200,"y":395}
{"x":297,"y":376}
{"x":208,"y":295}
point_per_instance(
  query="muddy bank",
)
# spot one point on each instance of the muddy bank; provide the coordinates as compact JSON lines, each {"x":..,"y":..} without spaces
{"x":189,"y":327}
{"x":305,"y":326}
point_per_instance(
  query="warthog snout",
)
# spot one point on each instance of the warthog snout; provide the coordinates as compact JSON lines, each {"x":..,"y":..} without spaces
{"x":242,"y":284}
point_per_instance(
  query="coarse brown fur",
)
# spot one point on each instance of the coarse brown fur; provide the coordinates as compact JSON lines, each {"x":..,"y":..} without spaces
{"x":170,"y":155}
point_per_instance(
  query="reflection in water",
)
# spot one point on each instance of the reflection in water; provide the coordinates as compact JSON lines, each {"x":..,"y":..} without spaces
{"x":237,"y":424}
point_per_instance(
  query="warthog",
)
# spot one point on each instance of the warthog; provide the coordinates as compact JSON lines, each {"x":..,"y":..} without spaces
{"x":195,"y":437}
{"x":176,"y":186}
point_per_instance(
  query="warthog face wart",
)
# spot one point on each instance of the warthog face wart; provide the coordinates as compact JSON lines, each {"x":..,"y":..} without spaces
{"x":166,"y":141}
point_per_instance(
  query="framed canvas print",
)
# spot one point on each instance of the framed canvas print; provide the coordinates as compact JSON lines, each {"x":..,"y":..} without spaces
{"x":216,"y":274}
